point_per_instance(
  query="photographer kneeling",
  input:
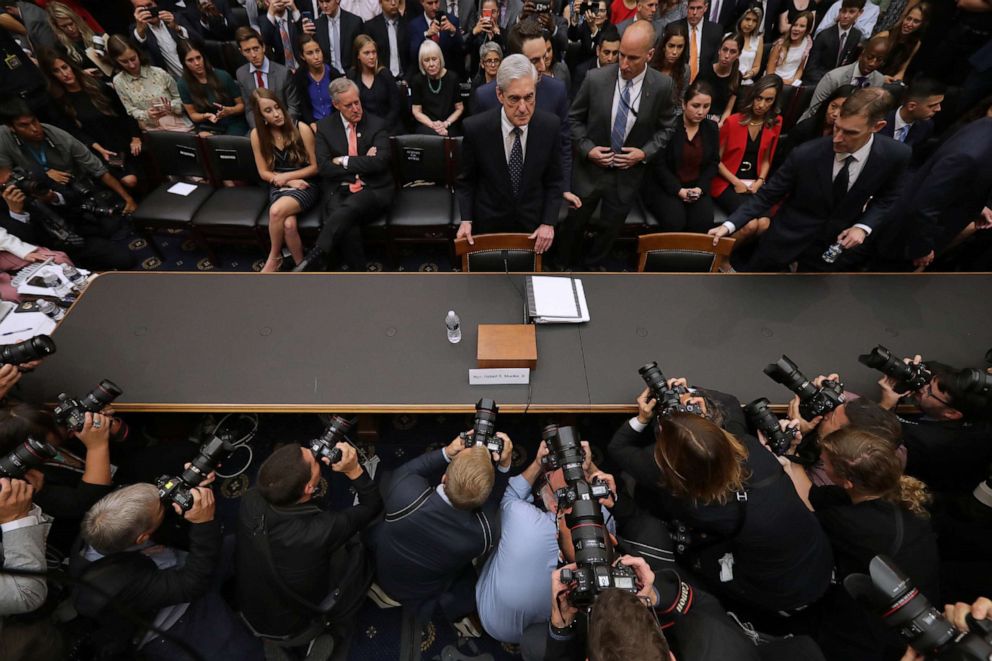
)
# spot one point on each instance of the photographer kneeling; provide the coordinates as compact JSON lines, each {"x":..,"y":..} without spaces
{"x":752,"y":539}
{"x":122,"y":570}
{"x":872,"y":509}
{"x":63,"y":208}
{"x":301,"y":568}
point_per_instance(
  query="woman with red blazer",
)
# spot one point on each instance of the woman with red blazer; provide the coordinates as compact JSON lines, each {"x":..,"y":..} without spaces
{"x":747,"y":144}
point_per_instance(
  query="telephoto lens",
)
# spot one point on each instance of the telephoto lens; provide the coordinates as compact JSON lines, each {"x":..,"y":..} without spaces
{"x":484,"y":428}
{"x":324,"y":445}
{"x":761,"y":418}
{"x":34,"y":348}
{"x":71,"y":413}
{"x":29,"y":454}
{"x":909,"y":377}
{"x":564,"y":452}
{"x":814,"y":400}
{"x":178,"y":489}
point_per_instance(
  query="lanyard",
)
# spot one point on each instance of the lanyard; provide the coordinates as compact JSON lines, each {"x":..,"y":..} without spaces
{"x":39,"y":155}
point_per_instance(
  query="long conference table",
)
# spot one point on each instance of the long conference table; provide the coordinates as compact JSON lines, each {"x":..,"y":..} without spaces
{"x":376,"y":343}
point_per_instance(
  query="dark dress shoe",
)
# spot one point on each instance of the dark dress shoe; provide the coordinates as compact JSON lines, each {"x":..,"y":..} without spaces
{"x":313,"y":261}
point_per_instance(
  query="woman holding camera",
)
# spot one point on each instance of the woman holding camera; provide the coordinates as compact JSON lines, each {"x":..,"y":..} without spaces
{"x":148,"y":93}
{"x":871,"y":509}
{"x":678,"y":192}
{"x":753,"y":542}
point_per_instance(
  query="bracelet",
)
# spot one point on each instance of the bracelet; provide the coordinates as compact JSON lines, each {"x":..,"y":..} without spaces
{"x":563,"y":631}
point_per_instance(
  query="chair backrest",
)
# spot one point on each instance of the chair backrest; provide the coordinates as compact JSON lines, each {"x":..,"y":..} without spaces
{"x":420,"y":159}
{"x":176,"y":154}
{"x":679,"y":252}
{"x":498,"y":252}
{"x":231,"y":158}
{"x":797,"y":104}
{"x":240,"y":15}
{"x":214,"y":51}
{"x":454,"y":159}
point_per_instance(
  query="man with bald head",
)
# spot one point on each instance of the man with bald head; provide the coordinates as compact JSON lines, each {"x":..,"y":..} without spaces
{"x":622,"y":117}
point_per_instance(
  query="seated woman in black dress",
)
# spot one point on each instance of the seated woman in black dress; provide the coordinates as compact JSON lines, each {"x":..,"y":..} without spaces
{"x":434,"y":94}
{"x":95,"y":116}
{"x":376,"y":85}
{"x":724,"y":77}
{"x":677,"y":193}
{"x":286,"y":157}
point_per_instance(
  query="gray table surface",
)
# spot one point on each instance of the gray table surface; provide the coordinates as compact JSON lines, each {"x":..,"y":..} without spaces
{"x":377,"y":342}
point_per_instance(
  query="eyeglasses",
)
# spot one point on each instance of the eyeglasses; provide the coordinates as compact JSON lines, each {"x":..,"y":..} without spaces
{"x":928,"y":389}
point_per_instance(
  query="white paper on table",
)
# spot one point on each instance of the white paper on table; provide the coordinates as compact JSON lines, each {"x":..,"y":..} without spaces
{"x":182,"y":188}
{"x":554,"y":297}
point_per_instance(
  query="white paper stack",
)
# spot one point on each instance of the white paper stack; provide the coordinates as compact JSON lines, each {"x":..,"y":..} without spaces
{"x":555,"y":300}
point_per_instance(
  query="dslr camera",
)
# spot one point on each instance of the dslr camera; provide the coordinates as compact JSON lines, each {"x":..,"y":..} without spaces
{"x":484,"y":428}
{"x":29,"y":454}
{"x":71,"y":413}
{"x":909,"y":377}
{"x":903,"y":607}
{"x":760,"y":418}
{"x":35,"y":348}
{"x":668,"y":399}
{"x":813,"y":400}
{"x":178,"y":490}
{"x":325,"y":444}
{"x":566,"y":453}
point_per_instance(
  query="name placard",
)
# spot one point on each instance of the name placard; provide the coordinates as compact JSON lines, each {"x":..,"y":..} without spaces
{"x":498,"y":376}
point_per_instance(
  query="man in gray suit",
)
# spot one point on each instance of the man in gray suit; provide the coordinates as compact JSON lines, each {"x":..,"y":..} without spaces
{"x":262,"y":72}
{"x":622,"y":117}
{"x":861,"y":74}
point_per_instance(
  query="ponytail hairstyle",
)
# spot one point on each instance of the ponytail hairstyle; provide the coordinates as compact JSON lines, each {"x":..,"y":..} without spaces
{"x":873,"y":469}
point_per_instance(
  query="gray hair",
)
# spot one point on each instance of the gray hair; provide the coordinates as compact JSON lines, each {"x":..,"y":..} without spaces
{"x":114,"y":523}
{"x":514,"y":67}
{"x":339,"y":86}
{"x":429,"y":47}
{"x":490,"y":47}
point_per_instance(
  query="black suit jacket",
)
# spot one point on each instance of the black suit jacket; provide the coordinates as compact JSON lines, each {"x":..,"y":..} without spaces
{"x":667,"y":164}
{"x":301,"y":81}
{"x":373,"y":170}
{"x":351,"y":27}
{"x":485,"y":195}
{"x":218,"y":28}
{"x":943,"y":196}
{"x":918,"y":132}
{"x":823,"y":55}
{"x":273,"y":41}
{"x":712,"y":33}
{"x":377,"y":29}
{"x":730,"y":11}
{"x":151,"y":46}
{"x":807,"y":217}
{"x":310,"y":552}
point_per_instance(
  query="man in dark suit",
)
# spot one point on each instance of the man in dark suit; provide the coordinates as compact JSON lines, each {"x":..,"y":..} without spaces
{"x":260,"y":71}
{"x":391,"y":36}
{"x":622,"y":117}
{"x":287,"y":542}
{"x":835,"y":190}
{"x":912,"y":122}
{"x":442,"y":28}
{"x":527,"y":39}
{"x":510,"y":177}
{"x":281,"y":27}
{"x":704,"y":37}
{"x":950,"y":190}
{"x":158,"y":32}
{"x":210,"y":19}
{"x":425,"y":547}
{"x":607,"y":43}
{"x":336,"y":32}
{"x":725,"y":13}
{"x":836,"y":47}
{"x":356,"y":184}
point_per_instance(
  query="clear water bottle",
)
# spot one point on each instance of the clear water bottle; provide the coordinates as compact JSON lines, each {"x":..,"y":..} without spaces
{"x":454,"y":326}
{"x":831,"y":254}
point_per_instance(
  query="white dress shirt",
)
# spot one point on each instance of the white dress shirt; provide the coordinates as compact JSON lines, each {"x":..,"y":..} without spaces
{"x":635,"y":100}
{"x":865,"y":23}
{"x":508,"y":136}
{"x":854,"y":169}
{"x":900,"y":122}
{"x":364,"y":9}
{"x":334,"y":39}
{"x":166,"y":45}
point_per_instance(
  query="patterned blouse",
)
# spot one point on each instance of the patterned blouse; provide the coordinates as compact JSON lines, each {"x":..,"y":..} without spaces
{"x":139,"y":93}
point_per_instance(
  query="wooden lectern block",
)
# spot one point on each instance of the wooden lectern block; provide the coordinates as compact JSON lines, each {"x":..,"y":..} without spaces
{"x":507,"y":345}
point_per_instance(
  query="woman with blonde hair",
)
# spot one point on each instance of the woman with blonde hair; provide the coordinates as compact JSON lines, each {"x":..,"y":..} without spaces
{"x":871,"y":509}
{"x":286,"y":158}
{"x":78,"y":40}
{"x":753,"y":540}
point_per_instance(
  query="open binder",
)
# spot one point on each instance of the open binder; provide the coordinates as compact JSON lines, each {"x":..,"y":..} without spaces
{"x":556,"y":300}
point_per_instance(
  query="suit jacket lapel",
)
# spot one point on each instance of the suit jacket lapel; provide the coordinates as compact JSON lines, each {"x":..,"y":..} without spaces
{"x":870,"y":165}
{"x":644,"y":113}
{"x":825,"y":174}
{"x":494,"y":136}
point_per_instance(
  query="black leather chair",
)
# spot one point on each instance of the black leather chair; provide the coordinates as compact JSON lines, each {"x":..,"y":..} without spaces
{"x":682,"y":252}
{"x":794,"y":103}
{"x":173,"y":155}
{"x":232,"y":213}
{"x":498,"y":253}
{"x":423,"y":206}
{"x":240,"y":15}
